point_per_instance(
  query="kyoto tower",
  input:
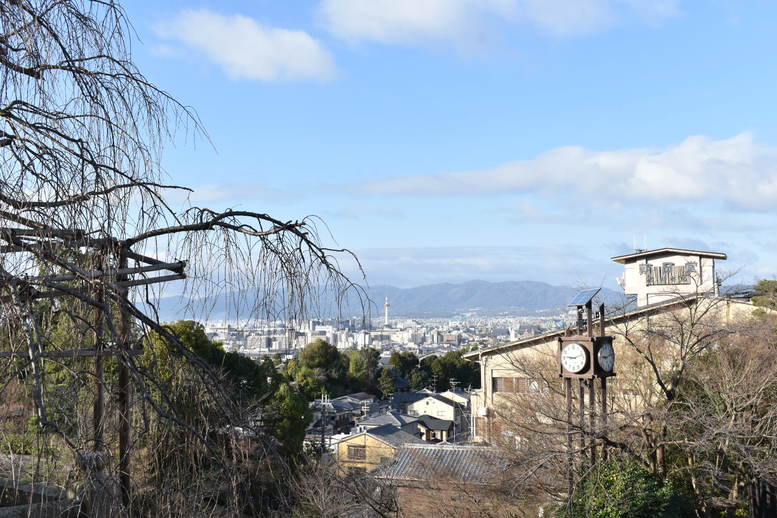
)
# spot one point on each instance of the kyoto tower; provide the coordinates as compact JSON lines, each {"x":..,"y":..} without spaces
{"x":385,"y":313}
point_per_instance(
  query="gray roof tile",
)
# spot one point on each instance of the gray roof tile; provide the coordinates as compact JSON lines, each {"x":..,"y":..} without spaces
{"x":440,"y":462}
{"x":392,"y":435}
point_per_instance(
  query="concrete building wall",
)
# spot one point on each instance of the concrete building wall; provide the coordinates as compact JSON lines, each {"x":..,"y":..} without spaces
{"x":536,"y":359}
{"x":376,"y":453}
{"x":660,"y":277}
{"x":433,"y":407}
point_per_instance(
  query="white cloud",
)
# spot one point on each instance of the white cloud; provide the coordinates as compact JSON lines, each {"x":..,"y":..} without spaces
{"x":408,"y":21}
{"x":464,"y":22}
{"x":572,"y":17}
{"x":247,"y":49}
{"x":230,"y":194}
{"x":367,"y":211}
{"x":406,"y":267}
{"x":736,"y":170}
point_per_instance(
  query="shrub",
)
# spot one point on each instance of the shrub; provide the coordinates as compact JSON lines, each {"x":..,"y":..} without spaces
{"x":620,"y":489}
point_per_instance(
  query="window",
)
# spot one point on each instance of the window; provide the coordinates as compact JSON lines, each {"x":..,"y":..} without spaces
{"x":357,"y":452}
{"x":532,"y":386}
{"x":517,"y":385}
{"x":668,"y":274}
{"x":503,"y":385}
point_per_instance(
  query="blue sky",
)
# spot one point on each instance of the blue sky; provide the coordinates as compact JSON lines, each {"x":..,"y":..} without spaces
{"x":449,"y":140}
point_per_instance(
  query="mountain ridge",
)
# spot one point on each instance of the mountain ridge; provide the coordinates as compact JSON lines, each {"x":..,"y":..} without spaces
{"x":434,"y":300}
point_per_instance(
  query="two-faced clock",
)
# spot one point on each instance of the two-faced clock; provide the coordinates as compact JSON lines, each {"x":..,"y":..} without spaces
{"x":605,"y":356}
{"x":574,"y":357}
{"x":586,"y":356}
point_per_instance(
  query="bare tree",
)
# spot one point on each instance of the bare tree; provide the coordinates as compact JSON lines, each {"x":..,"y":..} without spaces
{"x":88,"y":237}
{"x":724,"y":424}
{"x":321,"y":489}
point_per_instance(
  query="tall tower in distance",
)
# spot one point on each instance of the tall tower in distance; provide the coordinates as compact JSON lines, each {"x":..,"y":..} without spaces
{"x":385,"y":312}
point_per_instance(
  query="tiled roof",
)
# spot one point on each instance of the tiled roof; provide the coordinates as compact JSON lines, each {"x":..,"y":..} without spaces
{"x":432,"y":423}
{"x":457,"y":391}
{"x":440,"y":462}
{"x":661,"y":251}
{"x":360,"y":395}
{"x":392,"y":435}
{"x":392,"y":418}
{"x":403,"y":398}
{"x":334,"y":406}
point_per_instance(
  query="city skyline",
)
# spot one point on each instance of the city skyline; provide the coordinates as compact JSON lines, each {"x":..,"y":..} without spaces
{"x":527,"y":143}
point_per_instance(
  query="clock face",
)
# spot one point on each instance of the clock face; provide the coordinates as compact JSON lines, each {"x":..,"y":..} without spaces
{"x":573,"y":357}
{"x":606,"y":357}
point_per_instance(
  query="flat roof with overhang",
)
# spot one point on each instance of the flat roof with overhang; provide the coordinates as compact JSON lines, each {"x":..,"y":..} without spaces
{"x":623,"y":259}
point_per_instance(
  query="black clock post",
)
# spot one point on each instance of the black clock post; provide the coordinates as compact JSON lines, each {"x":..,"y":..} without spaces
{"x":585,"y":358}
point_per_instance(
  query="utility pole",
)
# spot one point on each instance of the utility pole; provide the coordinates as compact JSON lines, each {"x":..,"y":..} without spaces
{"x":324,"y":401}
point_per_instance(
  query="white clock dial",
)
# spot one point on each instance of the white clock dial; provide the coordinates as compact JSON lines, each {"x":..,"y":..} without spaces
{"x":606,"y":357}
{"x":573,"y":357}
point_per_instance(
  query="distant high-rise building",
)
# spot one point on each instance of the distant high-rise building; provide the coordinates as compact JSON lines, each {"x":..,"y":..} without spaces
{"x":385,"y":312}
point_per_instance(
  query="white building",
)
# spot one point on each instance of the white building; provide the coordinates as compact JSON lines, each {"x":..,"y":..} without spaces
{"x":659,"y":275}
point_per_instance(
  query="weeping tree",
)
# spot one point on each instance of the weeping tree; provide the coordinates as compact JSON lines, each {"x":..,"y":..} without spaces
{"x":86,"y":239}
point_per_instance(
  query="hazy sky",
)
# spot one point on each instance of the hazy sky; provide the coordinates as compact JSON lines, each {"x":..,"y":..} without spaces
{"x":449,"y":140}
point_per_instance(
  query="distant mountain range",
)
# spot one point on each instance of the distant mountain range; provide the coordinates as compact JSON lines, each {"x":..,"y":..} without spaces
{"x":438,"y":300}
{"x":514,"y":297}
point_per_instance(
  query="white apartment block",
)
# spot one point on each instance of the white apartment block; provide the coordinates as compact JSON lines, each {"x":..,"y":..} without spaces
{"x":658,"y":275}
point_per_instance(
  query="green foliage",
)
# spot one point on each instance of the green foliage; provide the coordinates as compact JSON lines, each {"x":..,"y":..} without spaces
{"x":403,"y":362}
{"x":319,"y":368}
{"x":286,"y":411}
{"x":26,"y":441}
{"x":248,"y":378}
{"x":419,"y":379}
{"x":765,"y":295}
{"x":322,"y":368}
{"x":452,"y":365}
{"x":386,"y":383}
{"x":288,"y":415}
{"x":620,"y":489}
{"x":363,"y":367}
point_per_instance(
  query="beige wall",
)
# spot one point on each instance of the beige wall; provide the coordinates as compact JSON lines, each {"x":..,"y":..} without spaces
{"x":635,"y":283}
{"x":376,"y":452}
{"x":453,"y":396}
{"x":432,"y":407}
{"x":538,"y":359}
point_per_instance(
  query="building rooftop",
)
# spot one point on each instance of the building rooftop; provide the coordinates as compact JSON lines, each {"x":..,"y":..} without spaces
{"x":391,"y":417}
{"x":432,"y":423}
{"x":455,"y":392}
{"x":360,"y":396}
{"x":623,"y":259}
{"x":404,"y":398}
{"x":393,"y":436}
{"x":441,"y":399}
{"x":614,"y":317}
{"x":426,"y":462}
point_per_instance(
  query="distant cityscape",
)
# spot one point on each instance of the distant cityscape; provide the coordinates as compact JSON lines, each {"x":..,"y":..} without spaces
{"x":421,"y":336}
